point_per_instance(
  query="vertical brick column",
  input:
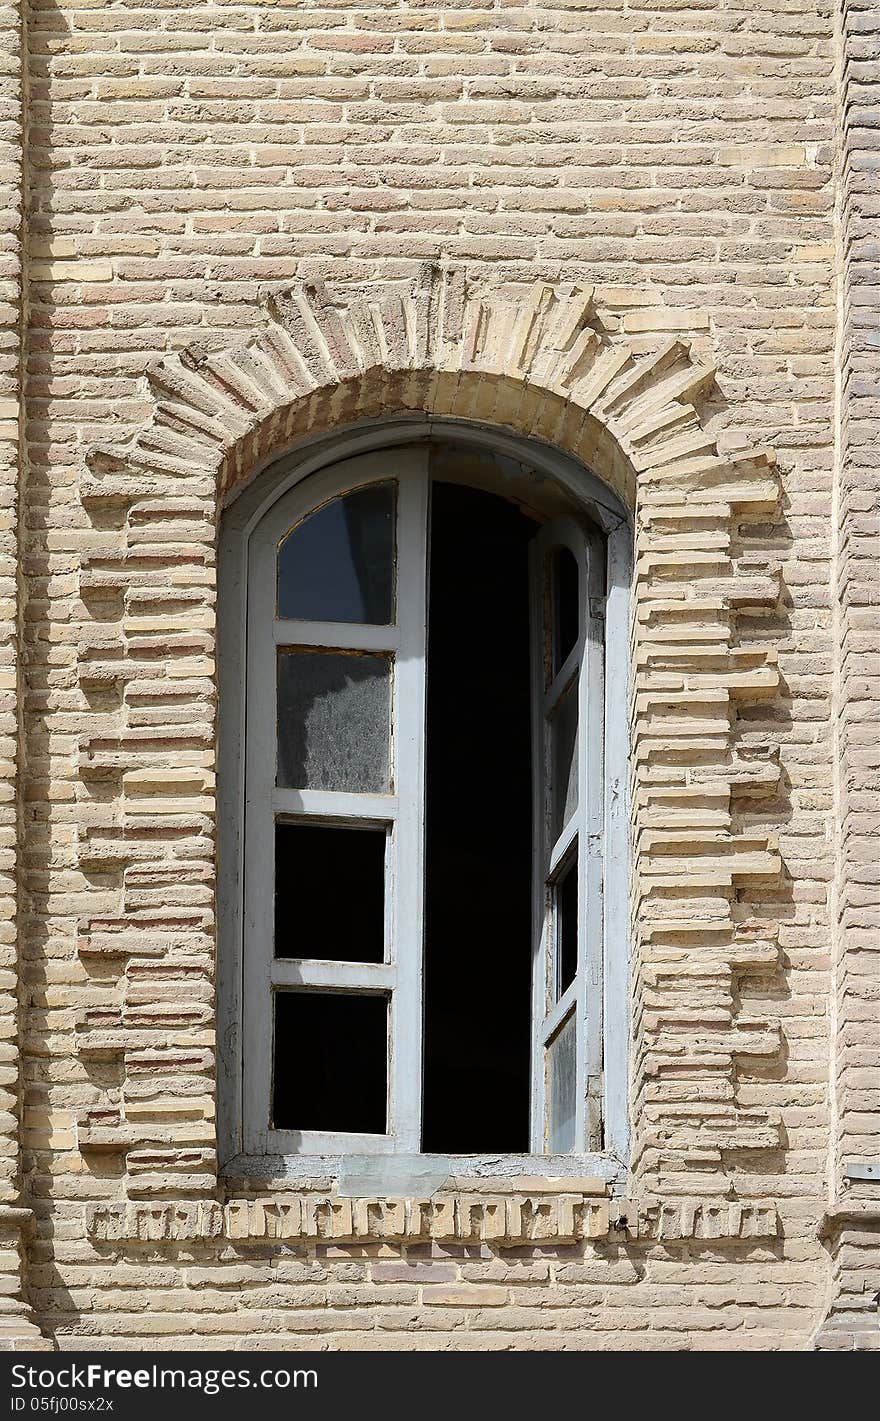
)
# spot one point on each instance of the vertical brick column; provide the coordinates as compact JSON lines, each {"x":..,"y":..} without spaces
{"x":853,"y":1223}
{"x":11,"y":427}
{"x":16,"y":1326}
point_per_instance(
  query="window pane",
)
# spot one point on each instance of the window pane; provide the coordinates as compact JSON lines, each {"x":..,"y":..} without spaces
{"x":566,"y":929}
{"x":331,"y":1062}
{"x":329,"y":892}
{"x":566,"y":605}
{"x":338,"y":565}
{"x":562,"y":1089}
{"x":564,"y":737}
{"x":334,"y":721}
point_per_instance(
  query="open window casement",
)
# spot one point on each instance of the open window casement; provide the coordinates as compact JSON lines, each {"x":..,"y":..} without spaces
{"x":567,"y":631}
{"x":348,"y":925}
{"x":335,"y":746}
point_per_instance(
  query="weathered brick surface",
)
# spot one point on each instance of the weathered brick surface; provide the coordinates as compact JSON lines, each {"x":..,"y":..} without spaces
{"x":679,"y":164}
{"x":853,"y":1226}
{"x":10,"y":463}
{"x":11,"y":333}
{"x":17,"y":1328}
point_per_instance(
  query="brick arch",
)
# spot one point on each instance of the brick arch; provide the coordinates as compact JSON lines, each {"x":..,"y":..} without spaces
{"x":537,"y":361}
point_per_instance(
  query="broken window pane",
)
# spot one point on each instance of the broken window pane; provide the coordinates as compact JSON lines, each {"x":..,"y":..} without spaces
{"x":566,"y":929}
{"x":331,"y":1062}
{"x":564,"y":737}
{"x":334,"y":721}
{"x":338,"y":564}
{"x":329,"y":892}
{"x":562,"y":1089}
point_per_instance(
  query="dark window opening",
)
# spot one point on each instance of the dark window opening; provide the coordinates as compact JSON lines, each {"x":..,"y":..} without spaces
{"x":330,"y":1062}
{"x":566,"y":605}
{"x":329,"y":893}
{"x":478,"y":865}
{"x":566,"y":929}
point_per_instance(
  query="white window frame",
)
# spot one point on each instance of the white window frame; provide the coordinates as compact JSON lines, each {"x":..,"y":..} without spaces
{"x":251,"y":529}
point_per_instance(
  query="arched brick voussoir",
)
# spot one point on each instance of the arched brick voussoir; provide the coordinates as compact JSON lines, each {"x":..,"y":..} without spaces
{"x":540,"y":361}
{"x":533,"y":359}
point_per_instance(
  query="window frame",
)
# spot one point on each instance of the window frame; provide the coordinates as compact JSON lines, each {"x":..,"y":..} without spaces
{"x":398,"y":811}
{"x":241,"y":1153}
{"x":579,"y":837}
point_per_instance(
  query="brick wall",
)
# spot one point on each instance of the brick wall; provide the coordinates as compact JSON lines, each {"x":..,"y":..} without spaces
{"x":16,"y":1324}
{"x":680,"y":162}
{"x":853,"y":1224}
{"x":11,"y":332}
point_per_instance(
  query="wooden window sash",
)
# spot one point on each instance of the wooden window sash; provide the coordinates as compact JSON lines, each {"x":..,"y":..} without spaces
{"x":400,"y":977}
{"x":581,"y":835}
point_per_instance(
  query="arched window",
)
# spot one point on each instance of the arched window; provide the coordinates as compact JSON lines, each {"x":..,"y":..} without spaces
{"x":419,"y":721}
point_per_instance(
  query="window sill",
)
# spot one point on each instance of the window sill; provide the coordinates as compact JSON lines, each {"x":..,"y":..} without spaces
{"x":403,"y":1175}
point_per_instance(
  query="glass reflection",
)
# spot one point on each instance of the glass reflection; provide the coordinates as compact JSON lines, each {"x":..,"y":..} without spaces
{"x":564,"y":743}
{"x":338,"y":564}
{"x":566,"y":929}
{"x":562,"y":1089}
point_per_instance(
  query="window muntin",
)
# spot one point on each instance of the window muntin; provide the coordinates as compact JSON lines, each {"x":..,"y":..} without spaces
{"x":385,"y":810}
